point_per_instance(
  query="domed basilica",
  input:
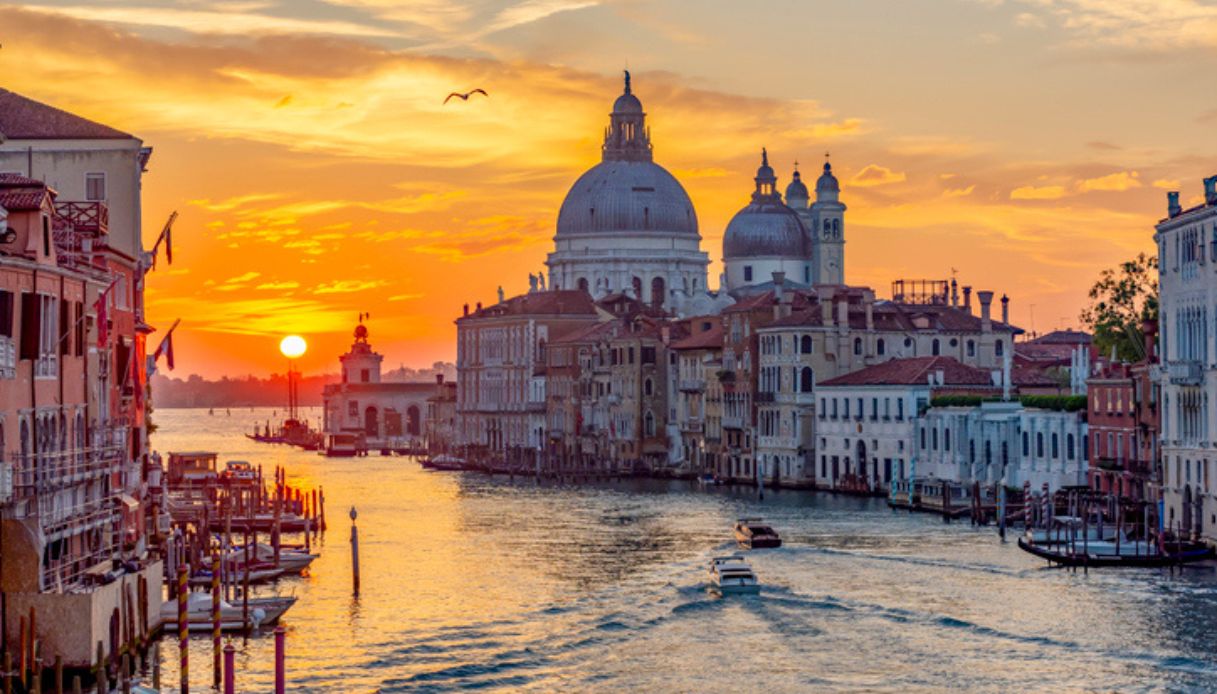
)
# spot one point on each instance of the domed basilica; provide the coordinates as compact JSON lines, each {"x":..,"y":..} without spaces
{"x":627,"y":226}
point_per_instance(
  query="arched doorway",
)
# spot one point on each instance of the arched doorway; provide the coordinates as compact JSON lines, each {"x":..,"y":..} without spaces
{"x":371,"y":426}
{"x":583,"y":285}
{"x":413,"y":421}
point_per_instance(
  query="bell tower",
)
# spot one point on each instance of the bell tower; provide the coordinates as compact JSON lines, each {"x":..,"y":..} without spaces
{"x":828,"y":229}
{"x":361,"y":364}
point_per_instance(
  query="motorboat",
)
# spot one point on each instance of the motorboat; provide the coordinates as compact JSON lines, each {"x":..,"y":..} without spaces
{"x":259,"y":572}
{"x":262,"y":612}
{"x":291,"y":560}
{"x":733,"y":574}
{"x":443,"y":462}
{"x":752,"y":533}
{"x":342,"y":445}
{"x":239,"y":471}
{"x":708,"y":480}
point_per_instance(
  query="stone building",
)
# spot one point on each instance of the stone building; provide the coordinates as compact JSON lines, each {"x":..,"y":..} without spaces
{"x":386,"y":415}
{"x":501,"y":355}
{"x":1187,"y":293}
{"x":73,"y":436}
{"x":698,"y":407}
{"x":867,"y":419}
{"x":1123,"y":427}
{"x":439,"y":423}
{"x":627,"y":225}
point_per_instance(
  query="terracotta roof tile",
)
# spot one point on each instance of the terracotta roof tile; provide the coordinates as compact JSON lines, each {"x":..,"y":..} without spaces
{"x":22,"y":118}
{"x":706,"y":339}
{"x":565,"y":302}
{"x":914,"y":371}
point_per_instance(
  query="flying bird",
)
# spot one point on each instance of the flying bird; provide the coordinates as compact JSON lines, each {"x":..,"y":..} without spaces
{"x":466,"y":95}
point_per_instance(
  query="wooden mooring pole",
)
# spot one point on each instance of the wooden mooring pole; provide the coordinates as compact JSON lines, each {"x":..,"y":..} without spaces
{"x":280,"y":660}
{"x":354,"y":551}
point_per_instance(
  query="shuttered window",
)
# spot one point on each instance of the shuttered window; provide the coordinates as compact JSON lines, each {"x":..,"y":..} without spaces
{"x":31,"y":322}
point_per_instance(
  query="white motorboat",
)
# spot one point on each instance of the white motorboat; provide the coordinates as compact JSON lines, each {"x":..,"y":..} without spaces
{"x":733,"y":574}
{"x":291,"y":560}
{"x":232,"y":617}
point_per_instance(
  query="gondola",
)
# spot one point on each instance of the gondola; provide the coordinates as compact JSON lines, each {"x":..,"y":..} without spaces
{"x":1183,"y":553}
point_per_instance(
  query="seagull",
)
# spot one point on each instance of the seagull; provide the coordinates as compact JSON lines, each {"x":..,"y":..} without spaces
{"x":466,"y":95}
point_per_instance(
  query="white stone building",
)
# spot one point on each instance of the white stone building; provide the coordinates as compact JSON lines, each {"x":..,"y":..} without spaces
{"x":627,"y":225}
{"x":1187,"y":275}
{"x":867,"y":420}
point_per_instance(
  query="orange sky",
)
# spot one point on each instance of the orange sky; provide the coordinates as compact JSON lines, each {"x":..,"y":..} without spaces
{"x":1025,"y":143}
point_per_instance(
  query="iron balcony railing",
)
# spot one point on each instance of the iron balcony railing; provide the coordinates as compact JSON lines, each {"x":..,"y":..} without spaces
{"x":39,"y":473}
{"x":1185,"y":373}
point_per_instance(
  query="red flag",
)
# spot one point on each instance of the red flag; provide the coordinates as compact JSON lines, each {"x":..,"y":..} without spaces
{"x":169,"y":256}
{"x":166,"y":347}
{"x":169,"y":351}
{"x":103,"y":321}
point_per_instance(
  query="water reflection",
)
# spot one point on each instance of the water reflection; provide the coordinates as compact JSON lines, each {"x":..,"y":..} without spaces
{"x":469,"y":581}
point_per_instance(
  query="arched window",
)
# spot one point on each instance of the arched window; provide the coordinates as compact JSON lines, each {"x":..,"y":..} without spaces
{"x":648,"y":387}
{"x":999,"y":348}
{"x":805,"y":344}
{"x":836,"y":226}
{"x":648,"y":423}
{"x":971,"y":348}
{"x":858,"y":345}
{"x":935,"y":348}
{"x":658,"y":291}
{"x":880,"y":347}
{"x":1039,"y":444}
{"x":636,"y":283}
{"x":583,"y":284}
{"x":1026,"y":444}
{"x":1056,"y":450}
{"x":805,"y":380}
{"x":1069,"y":446}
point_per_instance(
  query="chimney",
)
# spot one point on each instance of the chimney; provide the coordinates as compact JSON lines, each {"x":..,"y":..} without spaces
{"x":1210,"y":190}
{"x":779,"y":278}
{"x":1172,"y":204}
{"x":967,"y":299}
{"x":466,"y":308}
{"x":500,"y":294}
{"x":1005,"y":309}
{"x":870,"y":315}
{"x":439,"y":379}
{"x":479,"y":306}
{"x":986,"y":301}
{"x":1149,"y":329}
{"x":954,"y":292}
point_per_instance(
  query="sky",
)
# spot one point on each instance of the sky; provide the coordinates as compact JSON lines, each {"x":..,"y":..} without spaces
{"x":1021,"y":146}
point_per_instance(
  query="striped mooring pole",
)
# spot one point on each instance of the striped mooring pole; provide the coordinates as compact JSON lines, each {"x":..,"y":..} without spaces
{"x":183,"y":626}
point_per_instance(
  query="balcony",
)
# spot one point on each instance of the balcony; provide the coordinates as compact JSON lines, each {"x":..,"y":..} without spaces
{"x":92,"y":218}
{"x":692,"y":385}
{"x":693,"y":425}
{"x":1185,"y":373}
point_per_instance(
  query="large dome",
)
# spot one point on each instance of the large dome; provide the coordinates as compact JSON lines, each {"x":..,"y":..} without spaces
{"x":764,"y":230}
{"x":627,"y":196}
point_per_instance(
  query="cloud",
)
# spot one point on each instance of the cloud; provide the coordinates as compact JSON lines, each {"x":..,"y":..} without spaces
{"x":290,"y":284}
{"x":212,"y":22}
{"x":233,"y":203}
{"x":875,"y":175}
{"x":1167,"y":183}
{"x":1121,"y":181}
{"x":243,"y":278}
{"x":1040,"y":193}
{"x":405,"y":297}
{"x":958,"y":192}
{"x":348,"y":286}
{"x":1106,"y":146}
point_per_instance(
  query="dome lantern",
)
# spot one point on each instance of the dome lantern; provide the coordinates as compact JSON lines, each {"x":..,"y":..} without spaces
{"x":627,"y":138}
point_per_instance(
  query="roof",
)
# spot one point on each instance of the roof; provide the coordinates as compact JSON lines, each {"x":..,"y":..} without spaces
{"x":19,"y":193}
{"x":567,"y":302}
{"x":1062,"y":337}
{"x":706,"y":339}
{"x":890,"y":316}
{"x":915,"y":371}
{"x":22,"y":118}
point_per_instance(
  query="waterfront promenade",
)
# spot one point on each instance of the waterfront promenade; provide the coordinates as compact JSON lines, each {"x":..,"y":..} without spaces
{"x":469,"y":580}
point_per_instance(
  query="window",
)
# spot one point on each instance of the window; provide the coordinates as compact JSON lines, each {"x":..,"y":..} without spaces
{"x":971,"y":348}
{"x":935,"y":348}
{"x":648,"y":423}
{"x":95,"y":186}
{"x":364,"y":375}
{"x":1026,"y":443}
{"x":881,"y":347}
{"x":1039,"y":444}
{"x":353,"y":408}
{"x":999,"y":348}
{"x":923,"y":438}
{"x":648,"y":387}
{"x":946,"y":439}
{"x":900,"y":409}
{"x":805,"y":380}
{"x":747,"y":273}
{"x":1056,"y":452}
{"x":857,"y":345}
{"x":805,"y":344}
{"x":1069,"y":446}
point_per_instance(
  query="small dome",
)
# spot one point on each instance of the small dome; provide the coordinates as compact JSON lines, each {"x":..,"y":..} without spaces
{"x":828,"y":182}
{"x":797,"y":190}
{"x":627,"y":103}
{"x":764,"y":229}
{"x":361,"y":332}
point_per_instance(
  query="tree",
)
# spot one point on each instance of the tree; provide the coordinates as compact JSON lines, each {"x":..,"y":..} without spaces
{"x":1120,"y":301}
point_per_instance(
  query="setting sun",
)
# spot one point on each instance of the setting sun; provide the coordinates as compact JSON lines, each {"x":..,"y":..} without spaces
{"x":293,"y":346}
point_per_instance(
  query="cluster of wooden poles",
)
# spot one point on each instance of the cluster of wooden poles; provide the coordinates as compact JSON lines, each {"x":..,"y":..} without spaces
{"x":224,"y":667}
{"x":236,"y":504}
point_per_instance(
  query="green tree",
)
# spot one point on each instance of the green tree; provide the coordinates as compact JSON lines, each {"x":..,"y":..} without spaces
{"x":1121,"y":299}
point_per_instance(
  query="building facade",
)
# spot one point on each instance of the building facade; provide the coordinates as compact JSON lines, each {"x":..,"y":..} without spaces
{"x":1187,"y":290}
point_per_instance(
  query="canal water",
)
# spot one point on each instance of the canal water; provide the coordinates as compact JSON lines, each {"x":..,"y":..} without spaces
{"x":475,"y":582}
